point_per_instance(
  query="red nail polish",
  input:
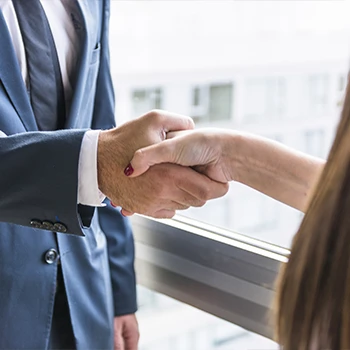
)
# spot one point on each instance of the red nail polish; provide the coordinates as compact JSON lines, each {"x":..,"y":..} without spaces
{"x":113,"y":205}
{"x":128,"y":170}
{"x":121,"y":212}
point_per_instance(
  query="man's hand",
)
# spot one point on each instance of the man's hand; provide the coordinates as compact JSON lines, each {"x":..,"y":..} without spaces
{"x":126,"y":332}
{"x":163,"y":189}
{"x":207,"y":150}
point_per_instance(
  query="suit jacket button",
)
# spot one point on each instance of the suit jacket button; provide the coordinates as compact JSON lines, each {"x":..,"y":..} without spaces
{"x":58,"y":227}
{"x":51,"y":256}
{"x":35,"y":223}
{"x":47,"y":225}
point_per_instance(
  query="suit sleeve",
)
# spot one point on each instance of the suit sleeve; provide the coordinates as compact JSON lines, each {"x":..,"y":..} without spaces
{"x":116,"y":228}
{"x":38,"y":180}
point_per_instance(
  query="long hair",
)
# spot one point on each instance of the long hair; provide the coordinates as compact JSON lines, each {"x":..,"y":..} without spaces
{"x":312,"y":304}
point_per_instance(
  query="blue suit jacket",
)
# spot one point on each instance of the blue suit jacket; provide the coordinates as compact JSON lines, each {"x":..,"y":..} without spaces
{"x":38,"y":180}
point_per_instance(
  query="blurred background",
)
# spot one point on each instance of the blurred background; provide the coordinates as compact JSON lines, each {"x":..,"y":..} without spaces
{"x":273,"y":68}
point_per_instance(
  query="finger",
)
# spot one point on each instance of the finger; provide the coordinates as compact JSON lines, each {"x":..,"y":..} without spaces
{"x":130,"y":344}
{"x":172,"y":134}
{"x":174,"y":122}
{"x":201,"y":186}
{"x":187,"y":200}
{"x":168,"y":206}
{"x":126,"y":212}
{"x":179,"y":206}
{"x":176,"y":205}
{"x":144,"y":158}
{"x":131,"y":341}
{"x":163,"y":214}
{"x":172,"y":206}
{"x":118,"y":341}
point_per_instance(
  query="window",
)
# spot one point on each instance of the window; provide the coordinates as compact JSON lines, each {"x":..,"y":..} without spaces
{"x":212,"y":103}
{"x":260,"y":67}
{"x":265,"y":212}
{"x":318,"y":94}
{"x":161,"y":320}
{"x":220,"y":102}
{"x":144,"y":100}
{"x":265,"y":99}
{"x":315,"y":143}
{"x":218,"y":211}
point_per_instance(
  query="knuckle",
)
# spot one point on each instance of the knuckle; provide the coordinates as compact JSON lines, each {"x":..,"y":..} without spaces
{"x":226,"y":188}
{"x":221,"y":190}
{"x":139,"y":155}
{"x":204,"y":193}
{"x":155,"y":115}
{"x":190,"y":123}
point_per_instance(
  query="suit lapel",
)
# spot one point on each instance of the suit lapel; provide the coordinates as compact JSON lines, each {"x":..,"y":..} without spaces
{"x":10,"y":76}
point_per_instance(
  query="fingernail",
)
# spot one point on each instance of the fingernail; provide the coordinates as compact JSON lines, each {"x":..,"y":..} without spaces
{"x":121,"y":212}
{"x":113,"y":205}
{"x":128,"y":170}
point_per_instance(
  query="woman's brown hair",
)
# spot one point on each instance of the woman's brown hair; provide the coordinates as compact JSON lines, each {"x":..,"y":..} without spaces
{"x":312,"y":304}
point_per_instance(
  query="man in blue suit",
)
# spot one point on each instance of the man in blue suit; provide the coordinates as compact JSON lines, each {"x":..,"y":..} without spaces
{"x":66,"y":257}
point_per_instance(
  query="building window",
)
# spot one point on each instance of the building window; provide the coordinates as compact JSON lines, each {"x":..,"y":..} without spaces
{"x":318,"y":93}
{"x":315,"y":142}
{"x":143,"y":100}
{"x":265,"y":99}
{"x":196,"y":97}
{"x":212,"y":102}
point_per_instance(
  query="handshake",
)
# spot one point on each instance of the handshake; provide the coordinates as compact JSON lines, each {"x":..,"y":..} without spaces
{"x":157,"y":164}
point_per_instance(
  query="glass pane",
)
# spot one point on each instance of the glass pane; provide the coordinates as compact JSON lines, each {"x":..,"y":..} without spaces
{"x":162,"y":327}
{"x":314,"y":142}
{"x":146,"y":99}
{"x":274,"y":68}
{"x":265,"y":99}
{"x":220,"y":102}
{"x":318,"y":93}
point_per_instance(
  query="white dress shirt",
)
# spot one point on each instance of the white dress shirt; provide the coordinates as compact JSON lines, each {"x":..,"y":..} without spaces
{"x":68,"y":48}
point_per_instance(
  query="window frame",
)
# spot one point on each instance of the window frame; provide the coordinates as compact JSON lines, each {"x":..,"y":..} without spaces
{"x":223,"y":273}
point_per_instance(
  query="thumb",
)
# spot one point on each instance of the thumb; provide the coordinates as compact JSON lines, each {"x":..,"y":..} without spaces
{"x":144,"y":158}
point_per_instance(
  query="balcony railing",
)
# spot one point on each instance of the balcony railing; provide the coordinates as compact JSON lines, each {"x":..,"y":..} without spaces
{"x":220,"y":272}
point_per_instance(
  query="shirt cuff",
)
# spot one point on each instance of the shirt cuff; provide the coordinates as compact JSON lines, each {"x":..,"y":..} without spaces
{"x":88,"y":191}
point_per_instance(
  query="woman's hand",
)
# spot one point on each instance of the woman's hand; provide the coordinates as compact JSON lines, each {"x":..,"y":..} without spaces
{"x":206,"y":150}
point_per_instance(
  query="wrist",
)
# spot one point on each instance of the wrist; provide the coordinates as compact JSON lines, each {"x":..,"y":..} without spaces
{"x":109,"y":161}
{"x":233,"y":155}
{"x":247,"y":157}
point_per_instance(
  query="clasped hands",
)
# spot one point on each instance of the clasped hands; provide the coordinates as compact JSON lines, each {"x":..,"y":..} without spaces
{"x":157,"y":164}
